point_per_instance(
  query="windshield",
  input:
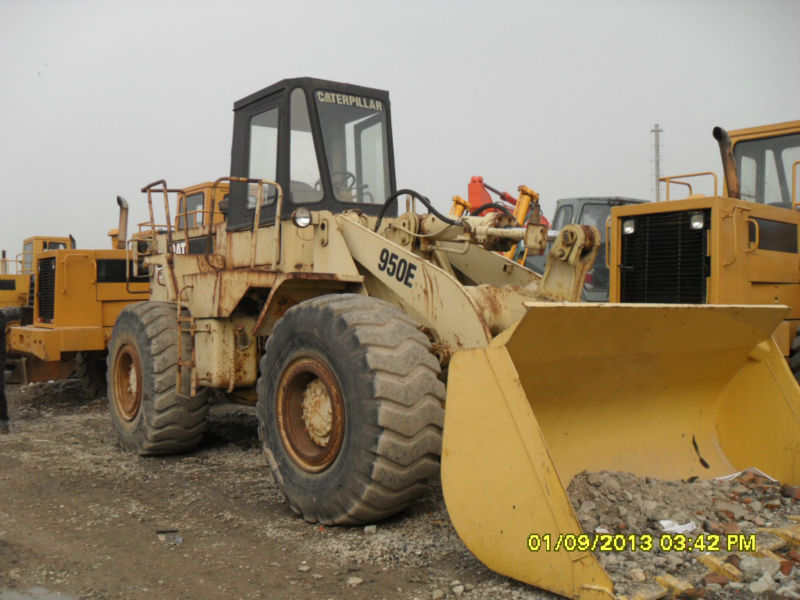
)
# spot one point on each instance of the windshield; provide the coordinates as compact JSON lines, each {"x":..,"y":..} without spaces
{"x":766,"y":168}
{"x":354,"y":135}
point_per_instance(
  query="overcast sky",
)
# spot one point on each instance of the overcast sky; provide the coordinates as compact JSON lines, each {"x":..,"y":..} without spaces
{"x":101,"y":98}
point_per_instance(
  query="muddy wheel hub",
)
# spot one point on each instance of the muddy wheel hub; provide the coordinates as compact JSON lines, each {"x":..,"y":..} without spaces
{"x":310,"y":413}
{"x":128,"y":382}
{"x":317,"y":412}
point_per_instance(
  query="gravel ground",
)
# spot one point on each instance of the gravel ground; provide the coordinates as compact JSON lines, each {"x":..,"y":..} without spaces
{"x":620,"y":503}
{"x":79,"y":518}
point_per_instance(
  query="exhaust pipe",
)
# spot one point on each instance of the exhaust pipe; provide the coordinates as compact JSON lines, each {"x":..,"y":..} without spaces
{"x":122,"y":232}
{"x":3,"y":264}
{"x":728,"y":163}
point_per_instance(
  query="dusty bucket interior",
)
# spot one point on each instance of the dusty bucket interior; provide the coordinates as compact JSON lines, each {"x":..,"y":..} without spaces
{"x":668,"y":391}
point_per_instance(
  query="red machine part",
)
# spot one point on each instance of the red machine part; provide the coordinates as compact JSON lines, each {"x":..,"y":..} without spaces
{"x":478,"y":195}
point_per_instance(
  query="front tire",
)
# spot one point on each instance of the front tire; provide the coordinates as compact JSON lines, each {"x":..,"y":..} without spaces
{"x":350,"y":409}
{"x":150,"y":415}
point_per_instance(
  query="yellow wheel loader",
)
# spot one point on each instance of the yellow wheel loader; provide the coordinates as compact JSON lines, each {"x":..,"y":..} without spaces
{"x":15,"y":274}
{"x":16,"y":294}
{"x":377,"y":341}
{"x":740,"y":247}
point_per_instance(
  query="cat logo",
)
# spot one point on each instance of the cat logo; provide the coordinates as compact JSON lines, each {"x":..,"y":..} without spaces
{"x":348,"y":100}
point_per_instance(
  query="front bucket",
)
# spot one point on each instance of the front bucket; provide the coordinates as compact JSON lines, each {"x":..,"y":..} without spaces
{"x":667,"y":391}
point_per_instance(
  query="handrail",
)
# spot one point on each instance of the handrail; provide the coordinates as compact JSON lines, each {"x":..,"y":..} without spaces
{"x":21,"y":259}
{"x":794,"y":184}
{"x":674,"y":179}
{"x":608,"y":236}
{"x":149,"y":189}
{"x":5,"y":266}
{"x":732,"y":217}
{"x":753,"y":247}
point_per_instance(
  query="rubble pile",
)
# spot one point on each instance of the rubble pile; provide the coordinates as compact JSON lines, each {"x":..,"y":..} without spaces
{"x":725,"y":538}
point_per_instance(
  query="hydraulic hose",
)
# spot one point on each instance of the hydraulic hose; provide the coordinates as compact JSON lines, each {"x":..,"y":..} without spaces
{"x":413,"y":194}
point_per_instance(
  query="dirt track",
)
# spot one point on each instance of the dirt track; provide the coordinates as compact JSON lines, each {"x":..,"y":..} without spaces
{"x":82,"y":519}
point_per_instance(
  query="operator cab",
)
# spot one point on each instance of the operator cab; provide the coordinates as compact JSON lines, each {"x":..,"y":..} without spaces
{"x":327,"y":144}
{"x":768,"y":163}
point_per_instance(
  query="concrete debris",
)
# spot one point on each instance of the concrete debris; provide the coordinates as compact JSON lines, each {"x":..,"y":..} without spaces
{"x":730,"y":553}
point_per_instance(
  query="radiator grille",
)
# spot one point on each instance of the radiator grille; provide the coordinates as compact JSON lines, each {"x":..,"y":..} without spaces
{"x":46,"y":274}
{"x":664,"y":260}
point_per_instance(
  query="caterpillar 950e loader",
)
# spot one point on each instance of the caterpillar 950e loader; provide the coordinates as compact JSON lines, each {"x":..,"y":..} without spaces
{"x":345,"y":319}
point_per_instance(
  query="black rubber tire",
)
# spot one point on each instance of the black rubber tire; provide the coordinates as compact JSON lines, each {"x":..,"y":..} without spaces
{"x":155,"y":419}
{"x":12,"y":313}
{"x":90,"y":367}
{"x":392,"y":403}
{"x":794,"y":356}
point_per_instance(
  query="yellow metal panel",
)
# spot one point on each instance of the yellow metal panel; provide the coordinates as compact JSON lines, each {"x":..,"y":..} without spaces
{"x":48,"y":344}
{"x":110,"y":311}
{"x":774,"y":293}
{"x":19,"y":294}
{"x":762,"y":131}
{"x":122,"y":291}
{"x":76,"y":274}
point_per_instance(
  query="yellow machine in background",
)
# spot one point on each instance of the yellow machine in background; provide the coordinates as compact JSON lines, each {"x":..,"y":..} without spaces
{"x":364,"y":308}
{"x":738,"y":247}
{"x":80,"y":293}
{"x":16,"y":292}
{"x":15,"y":274}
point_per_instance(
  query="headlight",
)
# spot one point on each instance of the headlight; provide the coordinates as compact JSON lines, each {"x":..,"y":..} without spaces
{"x":301,"y":217}
{"x":628,"y":226}
{"x":696,"y":221}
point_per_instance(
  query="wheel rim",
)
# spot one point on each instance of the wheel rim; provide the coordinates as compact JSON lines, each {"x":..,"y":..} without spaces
{"x":128,"y":382}
{"x":310,"y":411}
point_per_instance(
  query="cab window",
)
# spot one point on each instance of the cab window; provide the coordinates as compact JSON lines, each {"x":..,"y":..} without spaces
{"x":263,"y":154}
{"x":305,"y":184}
{"x":766,"y":168}
{"x":191,"y":211}
{"x":27,"y":257}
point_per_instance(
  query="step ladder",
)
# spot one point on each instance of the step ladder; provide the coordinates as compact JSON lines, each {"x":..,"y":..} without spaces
{"x":186,"y":325}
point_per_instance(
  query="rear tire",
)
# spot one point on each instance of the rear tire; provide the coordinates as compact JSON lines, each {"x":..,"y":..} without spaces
{"x":794,"y":356}
{"x":91,"y":370}
{"x":350,"y":409}
{"x":148,"y":413}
